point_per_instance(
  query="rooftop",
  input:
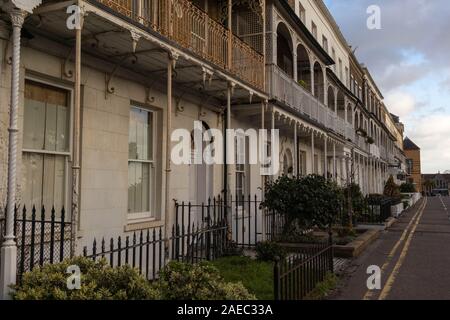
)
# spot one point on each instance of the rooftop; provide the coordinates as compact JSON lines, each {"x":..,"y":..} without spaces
{"x":408,"y":144}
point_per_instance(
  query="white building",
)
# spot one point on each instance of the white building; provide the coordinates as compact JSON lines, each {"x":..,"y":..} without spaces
{"x":145,"y":68}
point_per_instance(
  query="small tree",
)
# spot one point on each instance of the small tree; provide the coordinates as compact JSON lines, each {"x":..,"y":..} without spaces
{"x":358,"y":200}
{"x":305,"y":202}
{"x":328,"y":201}
{"x":284,"y":196}
{"x":391,"y":189}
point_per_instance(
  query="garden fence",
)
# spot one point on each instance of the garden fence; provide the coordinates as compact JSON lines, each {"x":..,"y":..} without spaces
{"x":244,"y":215}
{"x":298,"y":274}
{"x":375,"y":211}
{"x":41,"y":237}
{"x":190,"y":240}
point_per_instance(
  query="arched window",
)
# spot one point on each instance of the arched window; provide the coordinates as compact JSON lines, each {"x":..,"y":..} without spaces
{"x":331,"y":99}
{"x":284,"y":50}
{"x":318,"y":82}
{"x":288,"y":163}
{"x":303,"y":67}
{"x":341,"y":105}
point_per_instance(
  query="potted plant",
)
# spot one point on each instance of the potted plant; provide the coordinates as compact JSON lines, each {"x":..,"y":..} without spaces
{"x":303,"y":83}
{"x":370,"y":140}
{"x":361,"y":132}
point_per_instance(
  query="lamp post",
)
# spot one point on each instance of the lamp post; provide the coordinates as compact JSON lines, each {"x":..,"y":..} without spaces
{"x":17,"y":10}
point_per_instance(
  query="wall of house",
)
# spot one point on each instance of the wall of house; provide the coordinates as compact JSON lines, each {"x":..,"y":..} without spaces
{"x":324,"y":28}
{"x":416,"y":174}
{"x":104,"y":145}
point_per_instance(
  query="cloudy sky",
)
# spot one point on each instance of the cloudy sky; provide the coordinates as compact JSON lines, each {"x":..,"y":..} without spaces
{"x":409,"y":57}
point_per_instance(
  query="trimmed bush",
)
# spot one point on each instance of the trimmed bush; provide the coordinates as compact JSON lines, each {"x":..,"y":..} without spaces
{"x":305,"y":202}
{"x":182,"y":281}
{"x":98,"y":282}
{"x":269,"y":251}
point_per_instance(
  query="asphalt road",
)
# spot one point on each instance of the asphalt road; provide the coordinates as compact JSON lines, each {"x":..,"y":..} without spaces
{"x":413,"y":256}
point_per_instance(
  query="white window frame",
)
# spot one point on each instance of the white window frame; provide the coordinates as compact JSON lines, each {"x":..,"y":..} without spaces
{"x":325,"y":43}
{"x":68,"y":155}
{"x":314,"y":30}
{"x":145,"y":216}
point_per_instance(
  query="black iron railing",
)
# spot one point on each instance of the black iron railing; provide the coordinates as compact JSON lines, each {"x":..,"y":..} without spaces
{"x":298,"y":274}
{"x":151,"y":249}
{"x":373,"y":211}
{"x":41,"y":236}
{"x":245,"y":218}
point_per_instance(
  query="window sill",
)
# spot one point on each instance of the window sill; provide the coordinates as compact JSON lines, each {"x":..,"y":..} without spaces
{"x":142,"y":225}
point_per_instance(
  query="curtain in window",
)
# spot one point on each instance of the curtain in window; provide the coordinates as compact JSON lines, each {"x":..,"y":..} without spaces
{"x":140,"y":165}
{"x":44,"y":181}
{"x":46,"y":146}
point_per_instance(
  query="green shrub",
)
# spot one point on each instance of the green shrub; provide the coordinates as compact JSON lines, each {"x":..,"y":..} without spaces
{"x":98,"y":282}
{"x":182,"y":281}
{"x":359,"y":204}
{"x":269,"y":251}
{"x":407,"y":188}
{"x":305,"y":202}
{"x":302,"y":237}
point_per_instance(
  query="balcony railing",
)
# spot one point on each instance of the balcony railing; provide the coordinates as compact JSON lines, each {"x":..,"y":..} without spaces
{"x":383,"y":153}
{"x":192,"y":28}
{"x":361,"y":143}
{"x":349,"y":132}
{"x":374,"y":151}
{"x":283,"y":88}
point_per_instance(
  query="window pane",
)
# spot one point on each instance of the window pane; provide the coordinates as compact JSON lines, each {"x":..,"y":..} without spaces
{"x":43,"y":181}
{"x":32,"y":179}
{"x":139,"y":189}
{"x":50,"y":128}
{"x":34,"y":125}
{"x":62,"y":129}
{"x":131,"y":186}
{"x":53,"y":184}
{"x":46,"y":118}
{"x":132,"y":137}
{"x":145,"y":204}
{"x":140,"y":135}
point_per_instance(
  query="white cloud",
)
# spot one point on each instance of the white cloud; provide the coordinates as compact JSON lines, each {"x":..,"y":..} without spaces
{"x":432,"y":134}
{"x":400,"y":103}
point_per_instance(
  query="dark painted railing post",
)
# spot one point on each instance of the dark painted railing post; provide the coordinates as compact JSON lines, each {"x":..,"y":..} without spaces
{"x":330,"y":248}
{"x":61,"y":234}
{"x":276,"y":279}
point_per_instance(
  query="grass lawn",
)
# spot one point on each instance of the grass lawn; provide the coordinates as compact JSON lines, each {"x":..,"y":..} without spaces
{"x":256,"y":276}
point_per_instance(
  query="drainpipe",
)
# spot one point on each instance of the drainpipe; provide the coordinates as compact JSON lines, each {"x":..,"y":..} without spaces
{"x":76,"y":142}
{"x":9,"y":247}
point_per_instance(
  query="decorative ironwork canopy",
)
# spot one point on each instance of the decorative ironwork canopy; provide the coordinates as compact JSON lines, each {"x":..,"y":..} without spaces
{"x":255,"y":6}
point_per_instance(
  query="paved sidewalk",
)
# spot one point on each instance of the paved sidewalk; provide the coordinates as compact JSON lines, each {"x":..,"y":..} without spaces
{"x":414,"y":255}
